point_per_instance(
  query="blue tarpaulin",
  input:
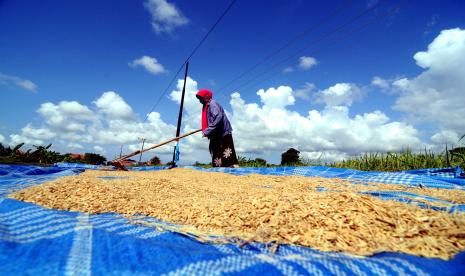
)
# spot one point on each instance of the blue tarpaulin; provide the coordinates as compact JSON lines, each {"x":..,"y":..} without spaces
{"x":37,"y":240}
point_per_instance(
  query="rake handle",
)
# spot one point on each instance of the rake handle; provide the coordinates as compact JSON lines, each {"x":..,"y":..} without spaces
{"x":155,"y":146}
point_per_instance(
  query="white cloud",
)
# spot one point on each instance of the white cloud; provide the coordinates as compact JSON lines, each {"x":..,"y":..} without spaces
{"x":28,"y":85}
{"x":149,"y":63}
{"x":37,"y":133}
{"x":66,"y":116}
{"x":75,"y":146}
{"x":390,"y":86}
{"x":268,"y":127}
{"x":320,"y":157}
{"x":76,"y":110}
{"x":445,"y":137}
{"x":271,"y":126}
{"x":401,"y":84}
{"x":306,"y":63}
{"x":191,"y":115}
{"x":165,"y":16}
{"x":18,"y":139}
{"x":113,"y":106}
{"x":25,"y":84}
{"x":431,"y":23}
{"x":276,"y":97}
{"x":99,"y":149}
{"x":264,"y":128}
{"x":110,"y":122}
{"x":436,"y":96}
{"x":433,"y":20}
{"x":260,"y":129}
{"x":32,"y":136}
{"x":288,"y":69}
{"x":2,"y":139}
{"x":444,"y":53}
{"x":381,"y":83}
{"x":304,"y":92}
{"x":117,"y":132}
{"x":340,"y":94}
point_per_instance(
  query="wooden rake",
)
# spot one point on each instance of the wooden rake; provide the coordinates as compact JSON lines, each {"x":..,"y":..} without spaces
{"x":117,"y":162}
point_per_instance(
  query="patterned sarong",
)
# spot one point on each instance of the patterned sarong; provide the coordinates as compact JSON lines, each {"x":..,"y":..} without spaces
{"x":223,"y":152}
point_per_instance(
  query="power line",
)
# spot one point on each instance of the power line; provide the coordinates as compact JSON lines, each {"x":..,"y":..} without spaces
{"x":287,"y":44}
{"x":164,"y":92}
{"x":333,"y":31}
{"x":322,"y":48}
{"x":211,"y":30}
{"x":191,"y":55}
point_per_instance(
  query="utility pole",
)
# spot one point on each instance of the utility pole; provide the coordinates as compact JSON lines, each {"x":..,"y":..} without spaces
{"x":142,"y":148}
{"x":178,"y":130}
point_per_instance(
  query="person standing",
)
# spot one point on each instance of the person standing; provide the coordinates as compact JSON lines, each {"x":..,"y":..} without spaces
{"x":217,"y":128}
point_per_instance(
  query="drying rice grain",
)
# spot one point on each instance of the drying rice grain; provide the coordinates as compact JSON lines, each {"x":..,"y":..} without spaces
{"x":282,"y":209}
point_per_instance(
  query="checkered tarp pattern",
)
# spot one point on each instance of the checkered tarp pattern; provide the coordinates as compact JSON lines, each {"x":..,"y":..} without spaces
{"x":36,"y":240}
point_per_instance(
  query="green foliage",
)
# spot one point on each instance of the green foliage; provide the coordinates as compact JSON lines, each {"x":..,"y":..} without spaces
{"x":290,"y":157}
{"x":94,"y":159}
{"x":247,"y":162}
{"x":398,"y":161}
{"x":203,"y":165}
{"x":155,"y":161}
{"x":457,"y":154}
{"x":260,"y":162}
{"x":42,"y":155}
{"x":17,"y":147}
{"x":5,"y":151}
{"x":68,"y":159}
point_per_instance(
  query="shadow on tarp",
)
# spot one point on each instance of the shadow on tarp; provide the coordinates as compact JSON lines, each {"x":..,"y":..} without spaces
{"x":36,"y":240}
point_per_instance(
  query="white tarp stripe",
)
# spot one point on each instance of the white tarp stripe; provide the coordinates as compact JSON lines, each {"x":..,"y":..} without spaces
{"x":414,"y":269}
{"x":311,"y":268}
{"x":371,"y":263}
{"x":322,"y":259}
{"x":225,"y":248}
{"x":80,"y":256}
{"x":398,"y":269}
{"x":36,"y":238}
{"x":134,"y":231}
{"x":44,"y":232}
{"x":41,"y":220}
{"x":8,"y":214}
{"x":45,"y":221}
{"x":28,"y":216}
{"x":278,"y":264}
{"x":38,"y":226}
{"x":149,"y":235}
{"x":229,"y":264}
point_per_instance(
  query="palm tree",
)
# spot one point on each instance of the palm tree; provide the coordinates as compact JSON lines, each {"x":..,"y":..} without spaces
{"x":41,"y":153}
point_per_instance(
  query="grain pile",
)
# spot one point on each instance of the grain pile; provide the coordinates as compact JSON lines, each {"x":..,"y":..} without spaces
{"x":281,"y":209}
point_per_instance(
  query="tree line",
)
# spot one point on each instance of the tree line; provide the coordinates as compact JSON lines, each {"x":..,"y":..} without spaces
{"x":43,"y":155}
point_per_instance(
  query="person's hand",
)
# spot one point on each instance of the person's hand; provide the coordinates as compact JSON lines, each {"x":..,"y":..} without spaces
{"x":203,"y":135}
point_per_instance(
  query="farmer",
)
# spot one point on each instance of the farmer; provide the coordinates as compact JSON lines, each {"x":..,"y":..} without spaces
{"x":216,"y":127}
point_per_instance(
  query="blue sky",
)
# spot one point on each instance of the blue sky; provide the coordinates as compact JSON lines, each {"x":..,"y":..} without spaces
{"x":75,"y":51}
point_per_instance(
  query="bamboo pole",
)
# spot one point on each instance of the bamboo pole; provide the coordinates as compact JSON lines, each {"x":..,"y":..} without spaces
{"x":154,"y":146}
{"x":178,"y":129}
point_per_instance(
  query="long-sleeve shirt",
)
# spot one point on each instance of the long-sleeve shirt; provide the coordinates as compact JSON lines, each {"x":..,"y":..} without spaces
{"x":218,"y":123}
